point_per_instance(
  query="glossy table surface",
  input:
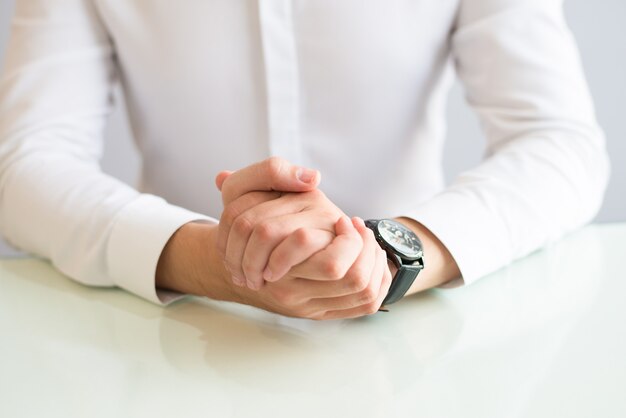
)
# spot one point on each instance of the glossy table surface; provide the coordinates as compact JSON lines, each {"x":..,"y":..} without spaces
{"x":544,"y":337}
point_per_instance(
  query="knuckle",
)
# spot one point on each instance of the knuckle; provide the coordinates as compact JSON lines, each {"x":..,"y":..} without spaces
{"x":302,"y":237}
{"x":242,"y":225}
{"x":275,"y":166}
{"x":371,"y":308}
{"x":333,"y":269}
{"x":368,"y":295}
{"x":264,"y":231}
{"x":358,"y":281}
{"x":229,"y":215}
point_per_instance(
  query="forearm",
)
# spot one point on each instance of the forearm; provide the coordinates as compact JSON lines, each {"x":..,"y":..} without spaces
{"x":546,"y":166}
{"x":190,"y":264}
{"x":440,"y":266}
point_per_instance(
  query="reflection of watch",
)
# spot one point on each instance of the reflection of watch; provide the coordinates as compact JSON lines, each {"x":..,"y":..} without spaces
{"x":405,"y":251}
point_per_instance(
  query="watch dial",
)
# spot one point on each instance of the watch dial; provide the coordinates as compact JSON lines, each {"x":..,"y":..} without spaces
{"x":401,"y":238}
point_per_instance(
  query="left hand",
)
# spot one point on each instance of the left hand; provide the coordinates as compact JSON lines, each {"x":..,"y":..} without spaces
{"x":258,"y":185}
{"x":255,"y":231}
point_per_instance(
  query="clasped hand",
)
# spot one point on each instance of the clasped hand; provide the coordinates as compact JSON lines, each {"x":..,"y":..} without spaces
{"x":292,"y":251}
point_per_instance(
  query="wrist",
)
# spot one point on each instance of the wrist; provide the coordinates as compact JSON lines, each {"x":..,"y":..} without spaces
{"x":190,"y":264}
{"x":440,"y":266}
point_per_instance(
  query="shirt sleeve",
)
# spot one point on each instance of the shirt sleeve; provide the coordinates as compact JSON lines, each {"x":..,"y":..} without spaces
{"x":546,"y":167}
{"x":55,"y":202}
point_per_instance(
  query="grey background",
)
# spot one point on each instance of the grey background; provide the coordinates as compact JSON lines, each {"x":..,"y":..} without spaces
{"x":601,"y":33}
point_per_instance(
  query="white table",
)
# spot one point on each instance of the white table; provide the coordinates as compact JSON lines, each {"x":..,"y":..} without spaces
{"x":544,"y":337}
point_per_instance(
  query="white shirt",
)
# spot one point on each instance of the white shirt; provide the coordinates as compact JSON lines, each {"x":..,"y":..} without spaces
{"x":354,"y":88}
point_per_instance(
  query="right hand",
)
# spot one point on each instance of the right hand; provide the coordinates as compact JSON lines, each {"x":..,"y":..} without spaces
{"x":347,"y":279}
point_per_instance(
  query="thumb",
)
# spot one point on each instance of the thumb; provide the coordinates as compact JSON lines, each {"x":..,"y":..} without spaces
{"x":273,"y":174}
{"x":221,"y":177}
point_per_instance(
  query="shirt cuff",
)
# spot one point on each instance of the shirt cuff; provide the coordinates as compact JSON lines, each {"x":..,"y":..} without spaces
{"x":137,"y":239}
{"x":468,"y":229}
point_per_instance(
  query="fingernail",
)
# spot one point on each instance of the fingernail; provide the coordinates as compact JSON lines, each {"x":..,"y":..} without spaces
{"x":267,"y":274}
{"x":306,"y":175}
{"x":238,"y":281}
{"x":252,"y":285}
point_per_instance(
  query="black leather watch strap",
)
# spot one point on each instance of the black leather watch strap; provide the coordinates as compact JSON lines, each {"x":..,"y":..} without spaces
{"x":402,"y":281}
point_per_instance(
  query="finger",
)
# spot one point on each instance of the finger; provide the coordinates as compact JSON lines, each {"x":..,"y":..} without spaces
{"x":258,"y":217}
{"x":235,"y":209}
{"x":355,"y":280}
{"x":293,"y":250}
{"x":293,"y":293}
{"x":271,"y":174}
{"x":366,"y":309}
{"x":333,"y":262}
{"x":362,"y":281}
{"x":269,"y":233}
{"x":221,"y":176}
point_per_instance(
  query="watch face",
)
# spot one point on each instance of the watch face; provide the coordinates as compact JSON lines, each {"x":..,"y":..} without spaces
{"x":402,"y":239}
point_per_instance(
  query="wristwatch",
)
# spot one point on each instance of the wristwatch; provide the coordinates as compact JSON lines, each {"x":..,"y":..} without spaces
{"x":405,"y":251}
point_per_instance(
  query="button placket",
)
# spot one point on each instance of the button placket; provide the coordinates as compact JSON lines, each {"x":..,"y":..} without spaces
{"x":281,"y":76}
